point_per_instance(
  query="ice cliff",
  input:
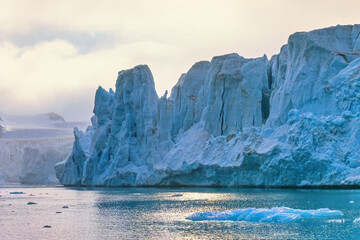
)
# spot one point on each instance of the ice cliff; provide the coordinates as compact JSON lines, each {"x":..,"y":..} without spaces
{"x":291,"y":121}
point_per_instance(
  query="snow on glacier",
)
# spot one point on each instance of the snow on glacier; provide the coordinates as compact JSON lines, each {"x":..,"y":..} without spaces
{"x":265,"y":215}
{"x":292,"y":121}
{"x":30,"y":146}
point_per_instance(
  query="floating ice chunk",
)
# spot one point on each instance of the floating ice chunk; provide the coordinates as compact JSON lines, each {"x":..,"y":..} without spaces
{"x":351,"y":202}
{"x":273,"y":215}
{"x":357,"y":220}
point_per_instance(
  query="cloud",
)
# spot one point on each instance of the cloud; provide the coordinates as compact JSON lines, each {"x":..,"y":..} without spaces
{"x":54,"y":54}
{"x":83,"y":41}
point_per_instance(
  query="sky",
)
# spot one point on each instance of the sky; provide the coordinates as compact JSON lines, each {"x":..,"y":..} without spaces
{"x":55,"y":54}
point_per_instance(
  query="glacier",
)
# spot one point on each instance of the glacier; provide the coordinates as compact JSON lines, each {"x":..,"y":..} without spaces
{"x":30,"y":146}
{"x":265,"y":215}
{"x":288,"y":121}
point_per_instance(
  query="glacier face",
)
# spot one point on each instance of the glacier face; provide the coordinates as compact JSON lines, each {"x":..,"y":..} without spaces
{"x":292,"y":120}
{"x":30,"y":146}
{"x":32,"y":161}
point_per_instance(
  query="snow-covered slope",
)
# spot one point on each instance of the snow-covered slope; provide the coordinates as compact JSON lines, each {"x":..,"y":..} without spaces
{"x":30,"y":146}
{"x":292,"y":120}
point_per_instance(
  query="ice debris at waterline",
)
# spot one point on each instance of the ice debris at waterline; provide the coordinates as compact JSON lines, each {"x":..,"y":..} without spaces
{"x":293,"y":120}
{"x":265,"y":215}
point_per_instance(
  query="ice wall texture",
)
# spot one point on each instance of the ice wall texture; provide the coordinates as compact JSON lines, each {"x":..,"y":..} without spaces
{"x":292,"y":120}
{"x":30,"y":146}
{"x":316,"y":72}
{"x":32,"y":161}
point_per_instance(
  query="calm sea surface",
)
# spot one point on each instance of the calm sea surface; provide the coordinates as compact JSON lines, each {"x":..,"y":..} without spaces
{"x":153,"y":213}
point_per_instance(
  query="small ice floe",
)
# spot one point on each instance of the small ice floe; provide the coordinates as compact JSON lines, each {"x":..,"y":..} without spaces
{"x":47,"y":226}
{"x":177,"y":195}
{"x":65,"y":206}
{"x":265,"y":215}
{"x":357,"y":220}
{"x":31,"y":203}
{"x":16,"y":192}
{"x":351,"y":202}
{"x":336,"y":221}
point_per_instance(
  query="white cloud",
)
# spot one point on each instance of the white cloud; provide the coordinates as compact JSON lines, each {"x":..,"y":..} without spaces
{"x":84,"y":41}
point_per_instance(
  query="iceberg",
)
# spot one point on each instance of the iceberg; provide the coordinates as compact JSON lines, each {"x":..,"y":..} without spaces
{"x":288,"y":121}
{"x":265,"y":215}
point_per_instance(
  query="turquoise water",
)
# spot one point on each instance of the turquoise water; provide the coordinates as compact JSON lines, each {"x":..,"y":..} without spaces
{"x":153,"y":213}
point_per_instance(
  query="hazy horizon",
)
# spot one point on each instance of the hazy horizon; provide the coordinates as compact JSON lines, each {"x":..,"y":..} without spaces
{"x":55,"y":54}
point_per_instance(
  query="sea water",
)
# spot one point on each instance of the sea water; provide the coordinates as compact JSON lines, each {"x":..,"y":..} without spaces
{"x":162,"y":213}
